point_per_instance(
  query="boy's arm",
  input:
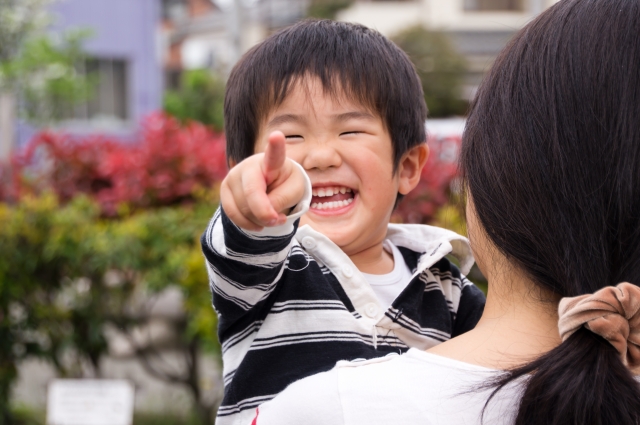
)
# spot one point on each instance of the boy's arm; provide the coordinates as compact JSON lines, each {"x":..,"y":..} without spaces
{"x":249,"y":238}
{"x":470,"y":308}
{"x":244,"y":266}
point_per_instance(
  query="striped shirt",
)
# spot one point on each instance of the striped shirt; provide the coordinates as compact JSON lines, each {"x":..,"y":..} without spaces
{"x":291,"y":304}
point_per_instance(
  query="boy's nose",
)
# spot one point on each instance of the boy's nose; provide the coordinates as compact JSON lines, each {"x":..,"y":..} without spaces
{"x":321,"y":156}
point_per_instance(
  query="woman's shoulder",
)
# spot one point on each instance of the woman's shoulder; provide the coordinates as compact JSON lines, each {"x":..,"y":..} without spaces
{"x":315,"y":399}
{"x":416,"y":387}
{"x":312,"y":400}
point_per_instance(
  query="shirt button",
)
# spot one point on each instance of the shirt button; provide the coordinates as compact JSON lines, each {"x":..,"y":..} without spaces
{"x":309,"y":242}
{"x":371,"y":310}
{"x":347,"y":272}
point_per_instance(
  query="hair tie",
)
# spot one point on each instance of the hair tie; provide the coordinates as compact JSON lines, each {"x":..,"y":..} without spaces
{"x":612,"y":312}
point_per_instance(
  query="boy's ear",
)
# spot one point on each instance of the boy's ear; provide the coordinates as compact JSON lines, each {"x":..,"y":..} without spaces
{"x":410,"y":167}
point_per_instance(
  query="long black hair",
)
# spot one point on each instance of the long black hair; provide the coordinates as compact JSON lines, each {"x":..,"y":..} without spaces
{"x":551,"y":159}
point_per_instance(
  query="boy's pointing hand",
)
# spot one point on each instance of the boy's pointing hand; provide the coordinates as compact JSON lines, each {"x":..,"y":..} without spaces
{"x":261,"y":190}
{"x":274,"y":157}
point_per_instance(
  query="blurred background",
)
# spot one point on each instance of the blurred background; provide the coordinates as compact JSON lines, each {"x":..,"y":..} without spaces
{"x":111,"y":153}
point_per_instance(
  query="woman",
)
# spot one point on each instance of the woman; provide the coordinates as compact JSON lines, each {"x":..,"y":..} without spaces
{"x":551,"y":162}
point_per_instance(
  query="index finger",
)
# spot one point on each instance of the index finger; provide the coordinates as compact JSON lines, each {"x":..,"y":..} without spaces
{"x":274,"y":156}
{"x":254,"y":190}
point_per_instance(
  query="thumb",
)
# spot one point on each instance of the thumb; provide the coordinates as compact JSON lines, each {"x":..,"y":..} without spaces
{"x":274,"y":156}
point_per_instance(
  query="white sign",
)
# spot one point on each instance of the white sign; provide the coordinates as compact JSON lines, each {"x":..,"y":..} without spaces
{"x":90,"y":402}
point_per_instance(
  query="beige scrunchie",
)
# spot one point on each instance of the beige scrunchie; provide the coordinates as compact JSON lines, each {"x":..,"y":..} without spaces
{"x":612,"y":312}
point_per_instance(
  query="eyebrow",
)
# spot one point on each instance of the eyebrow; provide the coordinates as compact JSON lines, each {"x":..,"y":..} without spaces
{"x":354,"y":115}
{"x":284,"y":119}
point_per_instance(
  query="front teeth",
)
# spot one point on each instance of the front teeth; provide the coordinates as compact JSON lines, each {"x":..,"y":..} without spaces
{"x":331,"y":205}
{"x":330,"y":191}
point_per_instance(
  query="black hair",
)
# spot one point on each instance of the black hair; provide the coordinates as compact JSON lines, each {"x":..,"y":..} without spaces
{"x":551,"y":160}
{"x":347,"y":58}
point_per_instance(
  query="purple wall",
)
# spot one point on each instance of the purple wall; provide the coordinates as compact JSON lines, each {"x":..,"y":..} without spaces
{"x":121,"y":29}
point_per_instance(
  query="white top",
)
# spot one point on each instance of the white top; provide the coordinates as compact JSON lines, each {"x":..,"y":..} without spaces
{"x":388,"y":286}
{"x":414,"y":388}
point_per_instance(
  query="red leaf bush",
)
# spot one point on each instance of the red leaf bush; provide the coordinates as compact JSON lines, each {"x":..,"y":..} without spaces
{"x":169,"y":163}
{"x":434,"y":189}
{"x":165,"y":167}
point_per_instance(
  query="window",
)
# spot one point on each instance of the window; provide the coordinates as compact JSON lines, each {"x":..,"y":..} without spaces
{"x":492,"y":5}
{"x":109,"y":100}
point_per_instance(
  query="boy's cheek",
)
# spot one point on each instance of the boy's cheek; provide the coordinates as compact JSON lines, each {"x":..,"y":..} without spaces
{"x":259,"y":146}
{"x":303,"y":220}
{"x":261,"y":142}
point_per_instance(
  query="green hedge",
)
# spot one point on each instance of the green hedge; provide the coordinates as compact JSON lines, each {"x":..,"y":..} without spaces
{"x":66,"y":272}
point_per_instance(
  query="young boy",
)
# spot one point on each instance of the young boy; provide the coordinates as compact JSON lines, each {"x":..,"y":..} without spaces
{"x":325,"y":132}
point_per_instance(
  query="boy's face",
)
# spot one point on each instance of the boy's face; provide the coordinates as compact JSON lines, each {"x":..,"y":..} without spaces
{"x":347,"y":153}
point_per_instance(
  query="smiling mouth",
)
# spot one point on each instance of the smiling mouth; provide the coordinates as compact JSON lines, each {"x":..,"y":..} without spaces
{"x":331,"y":198}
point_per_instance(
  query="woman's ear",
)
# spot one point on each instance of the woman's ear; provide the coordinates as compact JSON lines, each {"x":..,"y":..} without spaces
{"x":410,"y":167}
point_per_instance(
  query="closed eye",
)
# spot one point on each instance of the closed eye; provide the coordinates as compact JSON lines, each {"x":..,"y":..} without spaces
{"x":293,"y":136}
{"x":346,"y":133}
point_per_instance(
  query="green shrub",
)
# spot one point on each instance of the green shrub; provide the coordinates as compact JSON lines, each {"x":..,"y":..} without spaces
{"x":327,"y":9}
{"x":55,"y":294}
{"x":45,"y":73}
{"x":440,"y":67}
{"x":200,"y":98}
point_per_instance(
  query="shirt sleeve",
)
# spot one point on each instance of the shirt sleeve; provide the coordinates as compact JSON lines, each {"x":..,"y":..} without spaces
{"x":244,"y":267}
{"x":470,"y":309}
{"x":311,"y":401}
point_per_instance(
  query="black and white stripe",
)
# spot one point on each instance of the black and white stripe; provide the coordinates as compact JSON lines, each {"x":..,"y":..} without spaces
{"x":245,"y":404}
{"x":286,"y":312}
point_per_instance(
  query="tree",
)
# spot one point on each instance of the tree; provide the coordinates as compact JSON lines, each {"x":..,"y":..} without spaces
{"x":19,"y":19}
{"x":327,"y":9}
{"x":35,"y":70}
{"x":440,"y":67}
{"x":200,"y":98}
{"x":45,"y":76}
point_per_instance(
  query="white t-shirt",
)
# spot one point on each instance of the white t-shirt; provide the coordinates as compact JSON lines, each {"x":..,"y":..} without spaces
{"x":416,"y":388}
{"x":388,"y":286}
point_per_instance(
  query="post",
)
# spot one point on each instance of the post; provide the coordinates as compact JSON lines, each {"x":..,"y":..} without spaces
{"x":234,"y":9}
{"x":7,"y":124}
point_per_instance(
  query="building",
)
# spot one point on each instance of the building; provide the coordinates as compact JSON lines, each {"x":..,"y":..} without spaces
{"x":213,"y":34}
{"x":123,"y":56}
{"x":123,"y":52}
{"x":208,"y":34}
{"x":478,"y":28}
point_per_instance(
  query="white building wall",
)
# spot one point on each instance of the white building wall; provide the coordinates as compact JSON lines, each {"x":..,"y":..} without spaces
{"x":479,"y":35}
{"x":386,"y":17}
{"x":390,"y":17}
